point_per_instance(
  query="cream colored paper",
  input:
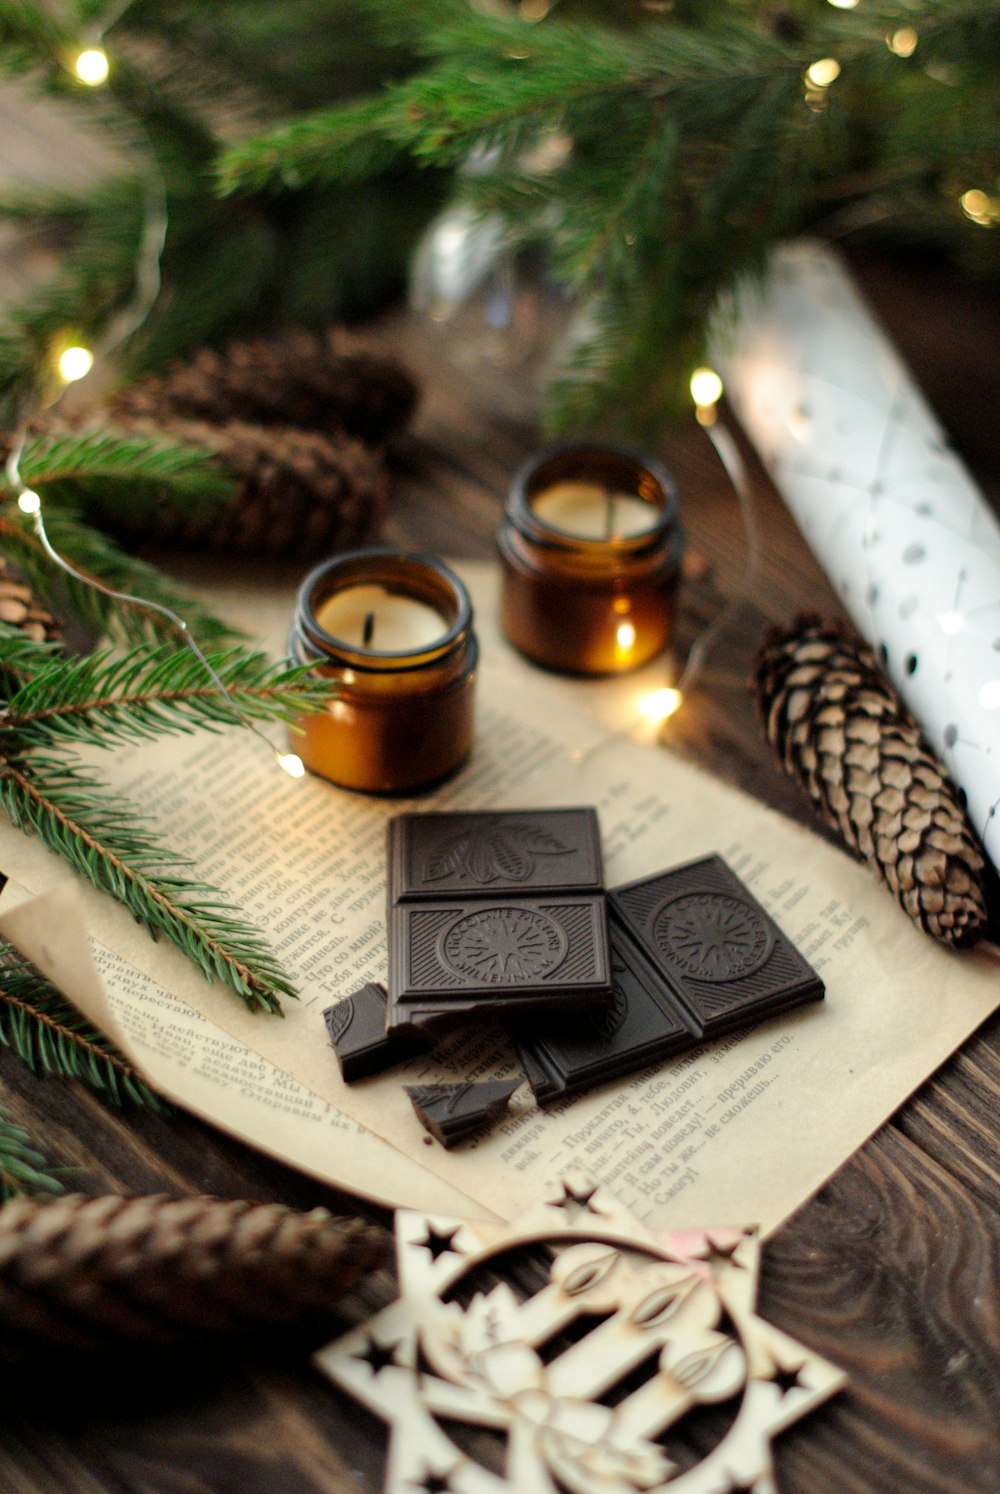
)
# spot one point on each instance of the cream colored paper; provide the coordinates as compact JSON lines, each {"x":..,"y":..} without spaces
{"x":746,"y":1128}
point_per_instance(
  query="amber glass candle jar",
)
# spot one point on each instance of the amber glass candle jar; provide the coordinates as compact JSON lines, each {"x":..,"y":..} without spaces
{"x":591,"y":550}
{"x":394,"y":630}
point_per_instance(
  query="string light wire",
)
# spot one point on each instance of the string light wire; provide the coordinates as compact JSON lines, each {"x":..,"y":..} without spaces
{"x":148,"y":279}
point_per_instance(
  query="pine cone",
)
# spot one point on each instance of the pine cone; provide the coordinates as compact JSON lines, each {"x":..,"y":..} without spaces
{"x":843,"y":733}
{"x":93,"y":1273}
{"x":19,"y":607}
{"x":330,"y":382}
{"x":300,"y":493}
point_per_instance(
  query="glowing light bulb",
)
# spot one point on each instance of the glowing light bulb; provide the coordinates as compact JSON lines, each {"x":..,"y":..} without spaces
{"x":902,"y":42}
{"x":75,"y":363}
{"x":29,"y":502}
{"x":951,"y":623}
{"x":92,"y":66}
{"x":824,"y":72}
{"x":844,"y":4}
{"x":292,"y":764}
{"x":705,"y":386}
{"x":658,"y":705}
{"x":981,"y":208}
{"x":625,"y":635}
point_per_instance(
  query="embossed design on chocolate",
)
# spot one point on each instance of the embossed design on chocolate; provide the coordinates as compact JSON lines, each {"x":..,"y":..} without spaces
{"x":712,"y":936}
{"x":503,"y":946}
{"x":506,"y":852}
{"x":338,"y":1018}
{"x":606,"y":1020}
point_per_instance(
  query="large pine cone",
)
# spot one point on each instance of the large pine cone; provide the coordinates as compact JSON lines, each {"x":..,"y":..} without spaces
{"x":843,"y":733}
{"x":330,"y":382}
{"x":299,"y":493}
{"x":88,"y":1274}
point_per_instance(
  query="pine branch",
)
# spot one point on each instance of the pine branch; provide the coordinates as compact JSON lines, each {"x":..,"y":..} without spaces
{"x":98,"y":556}
{"x":22,"y":1169}
{"x":104,"y":700}
{"x":191,"y":474}
{"x":107,"y":841}
{"x":52,"y":1037}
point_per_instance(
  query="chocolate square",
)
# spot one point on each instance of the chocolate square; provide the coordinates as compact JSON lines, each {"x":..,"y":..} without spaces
{"x":497,"y":959}
{"x":726,"y":960}
{"x":453,"y":1112}
{"x":641,"y":1024}
{"x":516,"y":852}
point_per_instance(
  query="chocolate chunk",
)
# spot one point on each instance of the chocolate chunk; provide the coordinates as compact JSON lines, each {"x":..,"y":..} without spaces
{"x":641,"y":1025}
{"x":356,"y":1028}
{"x":517,"y":852}
{"x":693,"y":954}
{"x":497,"y":959}
{"x":727,"y":961}
{"x":451,"y":1112}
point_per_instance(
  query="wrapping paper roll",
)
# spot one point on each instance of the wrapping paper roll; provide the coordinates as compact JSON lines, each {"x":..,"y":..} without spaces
{"x":888,"y":509}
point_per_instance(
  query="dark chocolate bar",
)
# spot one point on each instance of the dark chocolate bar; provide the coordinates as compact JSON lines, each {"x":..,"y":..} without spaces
{"x":694,"y":954}
{"x":356,"y":1029}
{"x":518,"y":852}
{"x":495,"y":915}
{"x":452,"y":1112}
{"x":497,"y":959}
{"x":727,"y":961}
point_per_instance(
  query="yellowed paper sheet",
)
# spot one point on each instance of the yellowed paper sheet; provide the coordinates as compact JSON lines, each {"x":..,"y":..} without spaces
{"x":741,"y":1129}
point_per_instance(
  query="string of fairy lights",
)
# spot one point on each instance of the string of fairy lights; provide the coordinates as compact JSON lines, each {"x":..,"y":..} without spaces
{"x":91,"y":65}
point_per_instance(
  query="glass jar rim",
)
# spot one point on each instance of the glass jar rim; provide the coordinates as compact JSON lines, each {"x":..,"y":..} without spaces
{"x":442,"y":590}
{"x":568,"y":461}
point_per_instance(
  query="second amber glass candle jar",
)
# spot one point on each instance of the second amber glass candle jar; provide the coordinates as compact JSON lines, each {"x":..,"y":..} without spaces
{"x":394,"y":631}
{"x":591,"y":551}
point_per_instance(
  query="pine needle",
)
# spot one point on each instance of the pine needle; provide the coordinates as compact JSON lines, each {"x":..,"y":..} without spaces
{"x":22,"y":1169}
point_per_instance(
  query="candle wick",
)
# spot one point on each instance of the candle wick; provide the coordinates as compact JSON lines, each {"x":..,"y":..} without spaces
{"x":609,"y":533}
{"x":368,"y":632}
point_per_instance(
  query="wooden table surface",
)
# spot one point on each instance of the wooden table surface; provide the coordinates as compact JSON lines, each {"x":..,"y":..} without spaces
{"x":890,"y":1271}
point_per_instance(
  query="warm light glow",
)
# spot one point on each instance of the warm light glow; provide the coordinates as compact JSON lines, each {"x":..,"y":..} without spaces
{"x":75,"y":363}
{"x":29,"y":502}
{"x":951,"y":623}
{"x":824,"y":72}
{"x":292,"y":764}
{"x":989,"y":695}
{"x":705,"y":386}
{"x":659,"y":704}
{"x":535,"y":10}
{"x":625,"y":636}
{"x":844,"y":4}
{"x":92,"y":67}
{"x":903,"y":42}
{"x":980,"y":207}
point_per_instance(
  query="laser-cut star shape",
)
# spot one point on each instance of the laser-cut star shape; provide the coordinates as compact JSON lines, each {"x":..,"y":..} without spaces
{"x":379,"y":1356}
{"x":478,"y":1365}
{"x":439,"y":1242}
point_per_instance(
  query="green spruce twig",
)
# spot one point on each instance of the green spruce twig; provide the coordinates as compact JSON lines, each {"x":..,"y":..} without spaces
{"x":22,"y":1169}
{"x":52,"y":1037}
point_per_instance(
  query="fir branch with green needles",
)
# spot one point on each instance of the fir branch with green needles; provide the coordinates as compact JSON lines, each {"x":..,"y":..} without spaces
{"x":22,"y":1169}
{"x":51,"y":1037}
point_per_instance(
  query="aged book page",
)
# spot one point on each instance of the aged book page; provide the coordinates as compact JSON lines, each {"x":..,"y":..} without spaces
{"x":745,"y":1128}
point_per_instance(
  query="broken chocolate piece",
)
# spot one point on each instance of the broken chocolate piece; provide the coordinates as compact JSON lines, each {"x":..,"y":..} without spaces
{"x":451,"y":1112}
{"x":693,"y":954}
{"x":495,"y":915}
{"x":518,"y":851}
{"x":356,"y":1029}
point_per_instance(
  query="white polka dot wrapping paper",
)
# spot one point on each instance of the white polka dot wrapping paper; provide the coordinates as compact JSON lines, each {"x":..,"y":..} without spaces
{"x":889,"y":510}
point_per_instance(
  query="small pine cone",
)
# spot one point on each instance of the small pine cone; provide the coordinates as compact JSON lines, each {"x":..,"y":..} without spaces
{"x":329,"y":382}
{"x":299,"y":493}
{"x":841,"y":730}
{"x":20,"y":608}
{"x":89,"y":1274}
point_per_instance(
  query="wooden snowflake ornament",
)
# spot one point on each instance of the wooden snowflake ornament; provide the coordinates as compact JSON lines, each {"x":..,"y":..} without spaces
{"x":576,"y":1350}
